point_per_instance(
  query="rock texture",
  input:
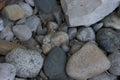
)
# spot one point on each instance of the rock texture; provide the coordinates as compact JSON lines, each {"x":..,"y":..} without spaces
{"x":80,"y":12}
{"x":88,"y":62}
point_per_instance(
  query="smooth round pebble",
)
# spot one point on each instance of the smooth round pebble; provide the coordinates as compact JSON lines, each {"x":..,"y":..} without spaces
{"x":85,"y":34}
{"x":115,"y":61}
{"x":7,"y":71}
{"x":27,"y":62}
{"x":97,"y":26}
{"x":22,"y":32}
{"x":26,"y":8}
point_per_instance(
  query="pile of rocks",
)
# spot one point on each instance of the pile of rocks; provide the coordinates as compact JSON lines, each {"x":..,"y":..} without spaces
{"x":59,"y":40}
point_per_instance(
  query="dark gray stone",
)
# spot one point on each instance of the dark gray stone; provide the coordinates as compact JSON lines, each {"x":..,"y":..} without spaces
{"x":54,"y":65}
{"x":46,"y":6}
{"x":108,"y":39}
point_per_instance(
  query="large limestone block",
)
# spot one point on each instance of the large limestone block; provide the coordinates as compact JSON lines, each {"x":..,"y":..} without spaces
{"x":87,"y":12}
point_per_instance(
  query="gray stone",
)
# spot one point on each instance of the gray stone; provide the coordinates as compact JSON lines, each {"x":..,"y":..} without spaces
{"x":33,"y":22}
{"x":85,"y":34}
{"x":108,"y":39}
{"x":7,"y":34}
{"x":22,"y":32}
{"x":26,"y":8}
{"x":65,"y":47}
{"x":104,"y":76}
{"x":63,"y":27}
{"x":7,"y":71}
{"x":30,"y":2}
{"x":97,"y":26}
{"x":87,"y":62}
{"x":72,"y":33}
{"x":27,"y":62}
{"x":54,"y":65}
{"x":80,"y":12}
{"x":39,"y":39}
{"x":20,"y":79}
{"x":115,"y":61}
{"x":1,"y":24}
{"x":51,"y":5}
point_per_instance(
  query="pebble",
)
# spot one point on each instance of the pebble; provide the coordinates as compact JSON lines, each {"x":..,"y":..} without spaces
{"x":63,"y":27}
{"x":26,"y":8}
{"x":115,"y":61}
{"x":108,"y":39}
{"x":7,"y":34}
{"x":1,"y":24}
{"x":85,"y":34}
{"x":21,"y":21}
{"x":65,"y":47}
{"x":13,"y":12}
{"x":60,"y":38}
{"x":27,"y":62}
{"x":54,"y":65}
{"x":33,"y":22}
{"x":98,"y":26}
{"x":39,"y":39}
{"x":30,"y":2}
{"x":46,"y":48}
{"x":7,"y":71}
{"x":41,"y":4}
{"x":104,"y":76}
{"x":22,"y":32}
{"x":83,"y":65}
{"x":72,"y":33}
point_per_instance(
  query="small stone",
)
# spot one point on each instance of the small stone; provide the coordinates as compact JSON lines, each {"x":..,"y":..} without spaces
{"x":1,"y":24}
{"x":7,"y":34}
{"x":65,"y":47}
{"x":54,"y":65}
{"x":46,"y":48}
{"x":33,"y":22}
{"x":20,"y":79}
{"x":108,"y":39}
{"x":104,"y":76}
{"x":26,"y":8}
{"x":7,"y":71}
{"x":51,"y":5}
{"x":22,"y":32}
{"x":72,"y":33}
{"x":30,"y":2}
{"x":46,"y":39}
{"x":97,"y":26}
{"x":13,"y":12}
{"x":85,"y":34}
{"x":52,"y":26}
{"x":80,"y":12}
{"x":88,"y":62}
{"x":60,"y":38}
{"x":115,"y":61}
{"x":39,"y":39}
{"x":27,"y":62}
{"x":112,"y":21}
{"x":63,"y":27}
{"x":21,"y":21}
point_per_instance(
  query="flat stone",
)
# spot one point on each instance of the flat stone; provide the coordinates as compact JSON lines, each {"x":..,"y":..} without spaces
{"x":80,"y":12}
{"x":54,"y":65}
{"x":13,"y":12}
{"x":88,"y":62}
{"x":28,"y":63}
{"x":7,"y":71}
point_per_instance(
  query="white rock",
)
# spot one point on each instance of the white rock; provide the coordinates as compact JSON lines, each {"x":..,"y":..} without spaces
{"x":31,"y":2}
{"x":6,"y":34}
{"x":87,"y":12}
{"x":26,"y":8}
{"x":27,"y":62}
{"x":22,"y":32}
{"x":33,"y":22}
{"x":7,"y":71}
{"x":1,"y":24}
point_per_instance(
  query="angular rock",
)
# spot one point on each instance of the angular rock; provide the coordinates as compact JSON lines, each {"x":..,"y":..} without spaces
{"x":104,"y":76}
{"x":27,"y":62}
{"x":88,"y":62}
{"x":86,"y":34}
{"x":26,"y":8}
{"x":54,"y":65}
{"x":80,"y":12}
{"x":60,"y":38}
{"x":13,"y":12}
{"x":22,"y":32}
{"x":108,"y":39}
{"x":7,"y":71}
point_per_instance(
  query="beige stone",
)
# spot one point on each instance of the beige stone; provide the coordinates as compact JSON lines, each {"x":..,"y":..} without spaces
{"x":88,"y":62}
{"x":13,"y":12}
{"x":46,"y":48}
